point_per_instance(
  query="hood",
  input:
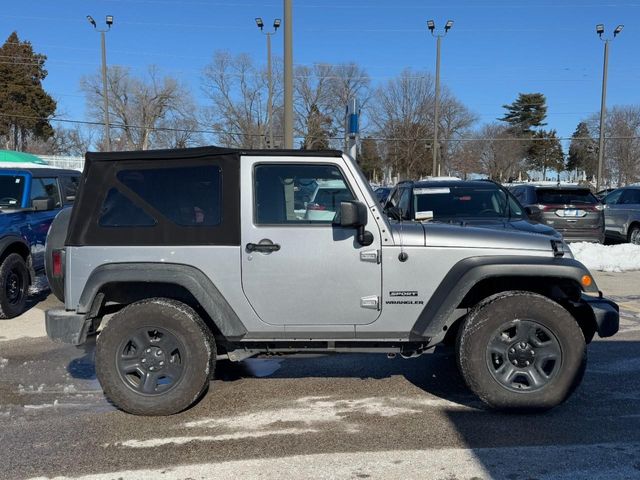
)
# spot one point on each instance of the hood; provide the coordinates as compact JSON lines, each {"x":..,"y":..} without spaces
{"x":467,"y":236}
{"x":515,"y":224}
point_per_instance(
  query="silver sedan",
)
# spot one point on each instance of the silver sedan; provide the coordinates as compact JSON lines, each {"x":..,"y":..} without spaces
{"x":622,"y":214}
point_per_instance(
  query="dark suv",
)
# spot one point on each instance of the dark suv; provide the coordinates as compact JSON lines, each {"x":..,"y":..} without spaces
{"x":572,"y":210}
{"x":473,"y":203}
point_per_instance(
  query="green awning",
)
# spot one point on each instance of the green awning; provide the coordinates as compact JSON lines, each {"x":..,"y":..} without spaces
{"x":20,"y":157}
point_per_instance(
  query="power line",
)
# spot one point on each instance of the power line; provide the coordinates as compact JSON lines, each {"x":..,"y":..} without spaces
{"x":363,"y":134}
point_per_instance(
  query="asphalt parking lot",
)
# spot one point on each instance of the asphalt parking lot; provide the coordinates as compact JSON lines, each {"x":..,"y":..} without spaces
{"x":348,"y":416}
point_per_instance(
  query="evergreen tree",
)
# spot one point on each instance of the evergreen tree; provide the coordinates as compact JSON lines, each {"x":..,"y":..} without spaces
{"x":528,"y":111}
{"x":545,"y":152}
{"x":583,"y":151}
{"x":25,"y":108}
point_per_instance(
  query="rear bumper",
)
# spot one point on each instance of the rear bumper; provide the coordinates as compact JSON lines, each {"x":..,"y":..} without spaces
{"x":67,"y":326}
{"x":606,"y":314}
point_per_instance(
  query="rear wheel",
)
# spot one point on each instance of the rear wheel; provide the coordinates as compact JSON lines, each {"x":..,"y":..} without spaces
{"x":14,"y":285}
{"x":634,"y":235}
{"x":521,"y":351}
{"x":155,"y":357}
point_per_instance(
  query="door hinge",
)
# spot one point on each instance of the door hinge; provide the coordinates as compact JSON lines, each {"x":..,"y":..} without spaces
{"x":370,"y":256}
{"x":372,"y":302}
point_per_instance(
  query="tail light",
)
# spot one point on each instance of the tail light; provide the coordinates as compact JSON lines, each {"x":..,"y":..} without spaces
{"x":56,"y":263}
{"x":316,"y":206}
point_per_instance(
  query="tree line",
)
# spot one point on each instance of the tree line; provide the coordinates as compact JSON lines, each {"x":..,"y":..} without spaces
{"x":152,"y":110}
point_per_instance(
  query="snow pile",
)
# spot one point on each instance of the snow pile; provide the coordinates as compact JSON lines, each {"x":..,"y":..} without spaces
{"x":607,"y":258}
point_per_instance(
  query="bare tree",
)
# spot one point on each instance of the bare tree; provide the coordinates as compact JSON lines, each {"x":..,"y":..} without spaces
{"x":622,"y":143}
{"x":401,"y":112}
{"x":75,"y":141}
{"x":137,"y":106}
{"x":238,"y":92}
{"x":501,"y":152}
{"x":455,"y":121}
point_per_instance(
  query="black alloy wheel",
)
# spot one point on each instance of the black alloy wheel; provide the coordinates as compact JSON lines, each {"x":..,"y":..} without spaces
{"x":524,"y":355}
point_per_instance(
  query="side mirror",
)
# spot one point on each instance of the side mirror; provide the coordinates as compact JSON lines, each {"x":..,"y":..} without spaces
{"x":42,"y":204}
{"x":353,"y":214}
{"x":533,"y":211}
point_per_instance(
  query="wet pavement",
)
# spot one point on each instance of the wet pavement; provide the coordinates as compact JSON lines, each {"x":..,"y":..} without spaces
{"x":343,"y":416}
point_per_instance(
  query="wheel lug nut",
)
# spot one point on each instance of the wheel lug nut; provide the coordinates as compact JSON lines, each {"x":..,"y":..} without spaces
{"x":144,"y":360}
{"x":512,"y":350}
{"x":523,"y":345}
{"x":161,"y":363}
{"x":148,"y":350}
{"x":158,"y":353}
{"x":527,"y":363}
{"x":151,"y":368}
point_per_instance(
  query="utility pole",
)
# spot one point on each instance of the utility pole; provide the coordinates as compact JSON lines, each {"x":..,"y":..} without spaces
{"x":435,"y":169}
{"x":276,"y":24}
{"x":105,"y":90}
{"x":288,"y":75}
{"x":603,"y":102}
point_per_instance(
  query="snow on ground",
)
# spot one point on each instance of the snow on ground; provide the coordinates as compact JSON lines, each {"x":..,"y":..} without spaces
{"x":607,"y":258}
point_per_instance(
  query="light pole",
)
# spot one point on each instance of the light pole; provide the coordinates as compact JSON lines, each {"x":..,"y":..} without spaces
{"x":600,"y":32}
{"x":105,"y":93}
{"x":431,"y":25}
{"x":276,"y":25}
{"x":288,"y":74}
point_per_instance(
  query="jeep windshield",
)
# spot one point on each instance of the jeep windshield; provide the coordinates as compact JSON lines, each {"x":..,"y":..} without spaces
{"x":447,"y":204}
{"x":11,"y":190}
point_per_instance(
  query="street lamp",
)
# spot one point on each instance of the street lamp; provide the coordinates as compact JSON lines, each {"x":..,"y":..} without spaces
{"x":276,"y":25}
{"x":105,"y":94}
{"x":431,"y":25}
{"x":600,"y":32}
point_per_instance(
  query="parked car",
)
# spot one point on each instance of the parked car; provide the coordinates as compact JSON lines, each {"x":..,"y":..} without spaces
{"x":255,"y":279}
{"x":382,"y":194}
{"x":477,"y":203}
{"x":325,"y":200}
{"x":603,"y":193}
{"x":573,"y":211}
{"x":622,"y":214}
{"x":30,"y":198}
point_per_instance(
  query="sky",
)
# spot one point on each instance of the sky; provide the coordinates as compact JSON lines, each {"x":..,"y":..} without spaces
{"x":495,"y":49}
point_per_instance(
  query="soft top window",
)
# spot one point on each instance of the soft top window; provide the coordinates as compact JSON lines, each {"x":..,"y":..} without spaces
{"x":188,"y":196}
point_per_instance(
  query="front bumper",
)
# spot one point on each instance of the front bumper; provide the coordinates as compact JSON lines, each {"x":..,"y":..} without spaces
{"x":67,"y":326}
{"x":606,"y":314}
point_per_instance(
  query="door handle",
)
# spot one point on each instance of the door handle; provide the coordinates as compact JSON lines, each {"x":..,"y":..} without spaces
{"x":263,"y":247}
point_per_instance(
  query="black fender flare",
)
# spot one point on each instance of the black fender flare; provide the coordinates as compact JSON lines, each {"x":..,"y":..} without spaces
{"x":189,"y":277}
{"x":437,"y":314}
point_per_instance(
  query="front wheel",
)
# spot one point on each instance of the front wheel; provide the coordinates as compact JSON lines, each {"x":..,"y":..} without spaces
{"x":14,"y":285}
{"x":155,"y":357}
{"x":521,"y":351}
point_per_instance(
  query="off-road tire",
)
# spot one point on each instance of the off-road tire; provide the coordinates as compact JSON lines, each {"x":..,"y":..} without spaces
{"x":160,"y":320}
{"x":14,"y":286}
{"x":485,"y":323}
{"x":634,"y":235}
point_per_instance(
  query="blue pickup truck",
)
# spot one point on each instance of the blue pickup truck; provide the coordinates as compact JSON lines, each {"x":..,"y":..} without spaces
{"x":30,"y":198}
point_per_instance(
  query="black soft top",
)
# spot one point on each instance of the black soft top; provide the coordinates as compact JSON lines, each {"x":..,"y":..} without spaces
{"x":100,"y":176}
{"x":199,"y":152}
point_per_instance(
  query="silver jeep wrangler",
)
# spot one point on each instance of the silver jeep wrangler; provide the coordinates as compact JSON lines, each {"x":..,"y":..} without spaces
{"x":179,"y":258}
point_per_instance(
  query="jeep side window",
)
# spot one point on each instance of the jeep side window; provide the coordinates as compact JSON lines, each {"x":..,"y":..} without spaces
{"x":43,"y":188}
{"x":298,"y":194}
{"x":188,"y":196}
